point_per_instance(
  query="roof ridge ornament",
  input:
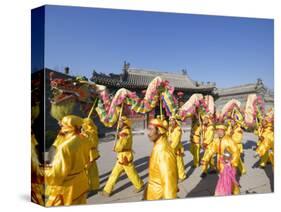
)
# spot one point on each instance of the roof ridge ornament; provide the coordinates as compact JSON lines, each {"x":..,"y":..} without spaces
{"x":125,"y":69}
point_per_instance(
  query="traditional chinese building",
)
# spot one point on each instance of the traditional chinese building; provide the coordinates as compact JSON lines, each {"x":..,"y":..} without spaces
{"x":241,"y":93}
{"x":138,"y":79}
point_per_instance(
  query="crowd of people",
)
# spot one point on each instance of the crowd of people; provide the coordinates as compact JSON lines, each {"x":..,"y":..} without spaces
{"x":73,"y":172}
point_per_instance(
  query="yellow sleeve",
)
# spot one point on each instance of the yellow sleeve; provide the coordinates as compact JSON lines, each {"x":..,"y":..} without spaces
{"x":235,"y":152}
{"x":209,"y":135}
{"x":60,"y":167}
{"x":122,"y":140}
{"x":209,"y":152}
{"x":266,"y":144}
{"x":35,"y":164}
{"x":58,"y":141}
{"x":238,"y":134}
{"x":169,"y":177}
{"x":176,"y":138}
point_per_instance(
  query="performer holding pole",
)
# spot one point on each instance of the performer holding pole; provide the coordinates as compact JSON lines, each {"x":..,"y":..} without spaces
{"x":123,"y":148}
{"x":222,"y":142}
{"x":175,"y":135}
{"x":66,"y":175}
{"x":195,"y":141}
{"x":90,"y":131}
{"x":163,"y":173}
{"x":208,"y":137}
{"x":265,"y":150}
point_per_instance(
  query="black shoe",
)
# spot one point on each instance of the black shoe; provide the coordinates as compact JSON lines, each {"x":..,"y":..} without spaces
{"x":213,"y":171}
{"x":203,"y":175}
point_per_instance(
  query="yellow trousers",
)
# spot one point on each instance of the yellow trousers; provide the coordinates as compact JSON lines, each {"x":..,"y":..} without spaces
{"x":58,"y":201}
{"x":271,"y":158}
{"x":240,"y":147}
{"x":116,"y":172}
{"x":241,"y":167}
{"x":180,"y":165}
{"x":236,"y":190}
{"x":264,"y":160}
{"x":210,"y":165}
{"x":195,"y":151}
{"x":93,"y":174}
{"x":37,"y":193}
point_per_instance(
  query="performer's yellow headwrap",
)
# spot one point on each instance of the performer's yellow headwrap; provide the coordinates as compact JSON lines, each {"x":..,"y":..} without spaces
{"x":177,"y":118}
{"x":208,"y":116}
{"x":161,"y":125}
{"x":126,"y":121}
{"x":220,"y":127}
{"x":71,"y":123}
{"x":88,"y":124}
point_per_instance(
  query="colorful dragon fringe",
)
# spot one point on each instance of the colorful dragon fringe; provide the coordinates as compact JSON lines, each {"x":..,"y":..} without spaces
{"x":108,"y":110}
{"x":254,"y":110}
{"x":66,"y":92}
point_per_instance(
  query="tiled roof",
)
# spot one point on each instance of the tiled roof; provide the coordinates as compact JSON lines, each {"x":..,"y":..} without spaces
{"x":140,"y":78}
{"x":247,"y":88}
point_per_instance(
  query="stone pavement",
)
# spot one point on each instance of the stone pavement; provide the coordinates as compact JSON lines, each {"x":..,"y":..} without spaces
{"x":256,"y":180}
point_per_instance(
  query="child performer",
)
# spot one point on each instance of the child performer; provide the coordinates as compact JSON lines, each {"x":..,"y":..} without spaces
{"x":227,"y":176}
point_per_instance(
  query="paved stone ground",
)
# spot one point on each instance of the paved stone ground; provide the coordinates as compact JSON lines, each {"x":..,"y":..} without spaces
{"x":256,"y":180}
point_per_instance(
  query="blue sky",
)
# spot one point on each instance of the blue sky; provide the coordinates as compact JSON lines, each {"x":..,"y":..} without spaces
{"x":227,"y":50}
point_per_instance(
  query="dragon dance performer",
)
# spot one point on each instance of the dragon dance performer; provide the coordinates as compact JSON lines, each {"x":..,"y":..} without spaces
{"x":208,"y":137}
{"x":123,"y":148}
{"x":58,"y":141}
{"x":37,"y":175}
{"x":237,"y":137}
{"x":66,"y":176}
{"x":89,"y":129}
{"x":175,"y":135}
{"x":222,"y":142}
{"x":235,"y":131}
{"x":195,"y":136}
{"x":227,"y":177}
{"x":163,"y":173}
{"x":265,"y":150}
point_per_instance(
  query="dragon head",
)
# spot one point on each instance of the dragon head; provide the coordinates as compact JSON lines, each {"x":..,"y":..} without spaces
{"x":65,"y":92}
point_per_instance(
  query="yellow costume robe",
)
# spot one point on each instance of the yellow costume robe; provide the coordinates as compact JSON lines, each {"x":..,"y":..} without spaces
{"x":163,"y":174}
{"x":66,"y":177}
{"x":218,"y":146}
{"x":237,"y":136}
{"x":208,"y":137}
{"x":58,"y":141}
{"x":195,"y":142}
{"x":91,"y":132}
{"x":123,"y":148}
{"x":37,"y":187}
{"x":175,"y":135}
{"x":266,"y":147}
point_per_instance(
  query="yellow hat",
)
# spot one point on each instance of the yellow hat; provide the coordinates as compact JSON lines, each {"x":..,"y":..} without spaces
{"x":220,"y":127}
{"x":161,"y":125}
{"x":126,"y":121}
{"x":177,"y":118}
{"x":71,"y":123}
